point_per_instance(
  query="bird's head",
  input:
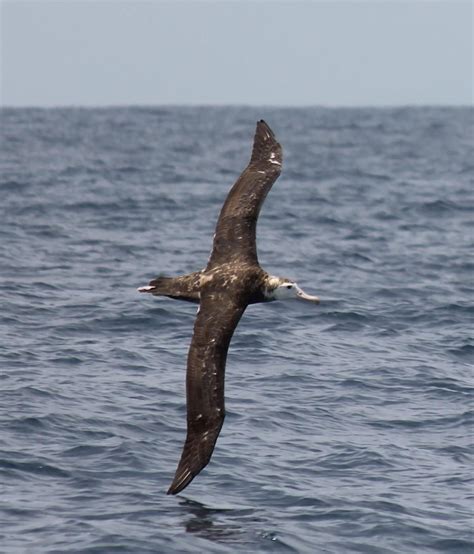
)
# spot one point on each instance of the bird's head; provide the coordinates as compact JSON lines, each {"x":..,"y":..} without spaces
{"x":281,"y":288}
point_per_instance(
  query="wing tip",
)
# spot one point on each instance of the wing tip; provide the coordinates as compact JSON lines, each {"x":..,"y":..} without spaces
{"x":265,"y":145}
{"x":194,"y":460}
{"x":181,"y":481}
{"x":173,"y":490}
{"x":262,"y":125}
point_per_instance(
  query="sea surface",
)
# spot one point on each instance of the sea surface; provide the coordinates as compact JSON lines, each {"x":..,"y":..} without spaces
{"x":349,"y":424}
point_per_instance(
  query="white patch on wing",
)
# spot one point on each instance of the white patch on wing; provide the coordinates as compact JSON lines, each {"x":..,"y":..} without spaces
{"x":206,"y":279}
{"x":272,"y":159}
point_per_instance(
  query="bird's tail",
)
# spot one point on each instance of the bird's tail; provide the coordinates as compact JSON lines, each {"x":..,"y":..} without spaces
{"x":185,"y":287}
{"x":161,"y":286}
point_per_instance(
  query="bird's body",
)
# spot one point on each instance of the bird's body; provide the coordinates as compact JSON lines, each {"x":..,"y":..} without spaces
{"x":232,"y":280}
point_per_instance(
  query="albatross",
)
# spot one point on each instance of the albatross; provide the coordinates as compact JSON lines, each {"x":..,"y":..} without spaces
{"x":231,"y":281}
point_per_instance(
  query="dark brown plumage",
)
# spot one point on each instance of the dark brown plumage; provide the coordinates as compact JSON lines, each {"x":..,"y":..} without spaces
{"x":235,"y":237}
{"x":232,"y":280}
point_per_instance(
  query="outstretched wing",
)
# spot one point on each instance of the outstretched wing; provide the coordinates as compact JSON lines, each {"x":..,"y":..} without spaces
{"x":218,"y":316}
{"x":236,"y":226}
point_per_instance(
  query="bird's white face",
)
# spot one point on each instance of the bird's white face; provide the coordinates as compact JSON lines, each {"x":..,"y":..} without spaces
{"x":287,"y":289}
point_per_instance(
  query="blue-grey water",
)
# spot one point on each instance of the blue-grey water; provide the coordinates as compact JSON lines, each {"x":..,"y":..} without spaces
{"x":349,"y":424}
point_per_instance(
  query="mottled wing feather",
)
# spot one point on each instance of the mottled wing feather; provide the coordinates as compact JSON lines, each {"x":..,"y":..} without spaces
{"x":216,"y":321}
{"x":235,"y":235}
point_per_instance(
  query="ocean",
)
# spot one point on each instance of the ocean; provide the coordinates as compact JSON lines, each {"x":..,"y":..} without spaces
{"x":349,"y":424}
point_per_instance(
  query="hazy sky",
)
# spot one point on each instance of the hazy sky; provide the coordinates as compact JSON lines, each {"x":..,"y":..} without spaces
{"x":244,"y":52}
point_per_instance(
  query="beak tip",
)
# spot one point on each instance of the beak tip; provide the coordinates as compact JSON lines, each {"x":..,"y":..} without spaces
{"x":309,"y":298}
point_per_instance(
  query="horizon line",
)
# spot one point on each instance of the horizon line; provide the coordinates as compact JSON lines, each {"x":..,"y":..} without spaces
{"x":232,"y":105}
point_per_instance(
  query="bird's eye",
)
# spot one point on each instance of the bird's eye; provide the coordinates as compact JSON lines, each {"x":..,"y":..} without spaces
{"x":288,"y":286}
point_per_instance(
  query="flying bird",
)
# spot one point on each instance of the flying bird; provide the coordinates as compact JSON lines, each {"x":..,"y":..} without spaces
{"x":231,"y":281}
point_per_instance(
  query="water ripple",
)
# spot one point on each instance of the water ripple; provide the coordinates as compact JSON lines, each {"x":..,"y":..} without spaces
{"x":349,"y":425}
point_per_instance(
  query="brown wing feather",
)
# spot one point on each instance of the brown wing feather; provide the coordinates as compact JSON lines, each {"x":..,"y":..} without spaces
{"x":236,"y":226}
{"x":218,"y":316}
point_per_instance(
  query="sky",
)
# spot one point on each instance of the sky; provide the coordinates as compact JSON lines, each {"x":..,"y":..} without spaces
{"x":261,"y":52}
